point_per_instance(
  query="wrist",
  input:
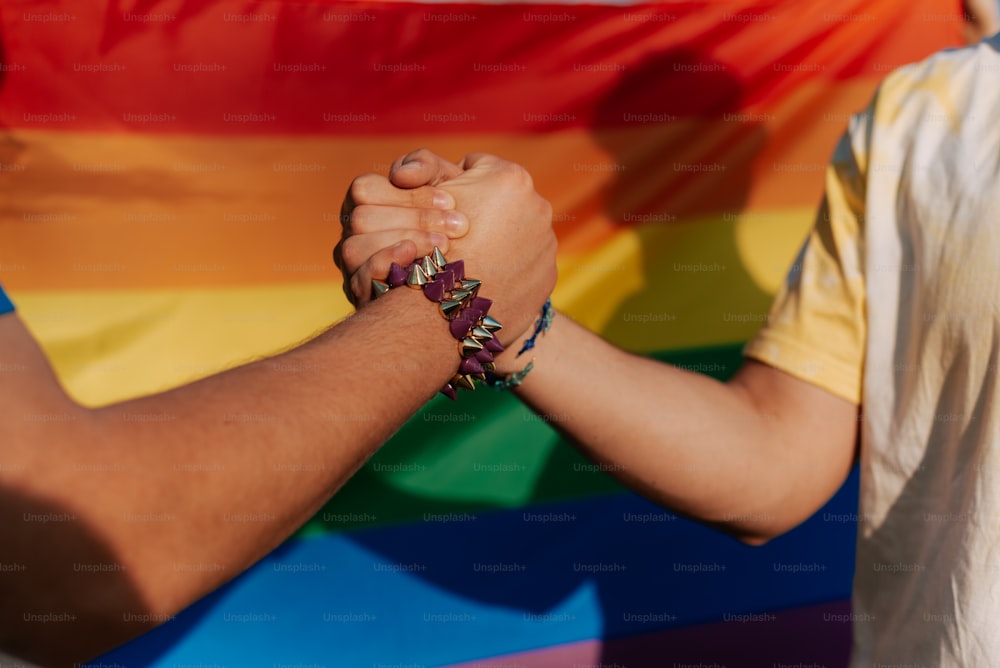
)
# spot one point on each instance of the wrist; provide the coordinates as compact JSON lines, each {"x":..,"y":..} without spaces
{"x":458,"y":302}
{"x":508,"y":361}
{"x":513,"y":366}
{"x":404,"y":333}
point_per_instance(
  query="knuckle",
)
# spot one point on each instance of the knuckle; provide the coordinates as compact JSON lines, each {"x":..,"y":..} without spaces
{"x":507,"y":168}
{"x":545,"y":210}
{"x":421,"y":197}
{"x":364,"y":187}
{"x":515,"y":176}
{"x":407,"y":247}
{"x":363,"y":219}
{"x":524,"y":177}
{"x":350,"y":255}
{"x":428,"y":219}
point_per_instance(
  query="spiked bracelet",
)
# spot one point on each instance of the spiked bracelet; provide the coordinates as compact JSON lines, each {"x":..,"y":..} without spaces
{"x":459,"y":302}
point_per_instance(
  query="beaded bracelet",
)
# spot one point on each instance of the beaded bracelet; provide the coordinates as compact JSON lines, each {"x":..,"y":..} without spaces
{"x":513,"y":380}
{"x":458,"y":298}
{"x":542,"y":325}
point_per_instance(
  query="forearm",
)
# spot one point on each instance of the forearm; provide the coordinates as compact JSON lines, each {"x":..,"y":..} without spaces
{"x":271,"y":441}
{"x":703,"y":448}
{"x":187,"y":488}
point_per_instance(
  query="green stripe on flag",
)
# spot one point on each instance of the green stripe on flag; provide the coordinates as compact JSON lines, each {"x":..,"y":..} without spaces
{"x":484,"y":451}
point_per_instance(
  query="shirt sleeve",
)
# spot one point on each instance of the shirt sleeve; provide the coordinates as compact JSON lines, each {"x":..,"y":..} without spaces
{"x":5,"y":304}
{"x":816,"y":328}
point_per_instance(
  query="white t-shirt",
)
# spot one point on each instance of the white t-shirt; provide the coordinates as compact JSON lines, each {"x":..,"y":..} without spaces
{"x":894,"y":302}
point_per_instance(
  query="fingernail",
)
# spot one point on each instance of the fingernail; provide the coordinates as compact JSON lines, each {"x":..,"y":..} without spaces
{"x":414,"y":164}
{"x":439,"y":239}
{"x":443,"y":200}
{"x":455,"y":221}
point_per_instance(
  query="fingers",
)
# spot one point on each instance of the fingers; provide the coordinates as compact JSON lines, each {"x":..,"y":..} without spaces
{"x":371,"y":228}
{"x":400,"y":218}
{"x":422,"y":168}
{"x":374,"y":189}
{"x":368,"y":219}
{"x":356,"y":251}
{"x":359,"y":287}
{"x":406,"y":219}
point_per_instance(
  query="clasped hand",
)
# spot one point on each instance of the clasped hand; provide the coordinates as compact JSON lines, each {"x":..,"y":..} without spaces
{"x":483,"y":210}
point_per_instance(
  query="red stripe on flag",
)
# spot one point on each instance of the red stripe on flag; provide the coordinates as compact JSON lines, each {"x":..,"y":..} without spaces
{"x":272,"y":67}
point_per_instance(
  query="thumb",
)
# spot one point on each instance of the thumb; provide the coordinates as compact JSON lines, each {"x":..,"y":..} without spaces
{"x":421,"y":168}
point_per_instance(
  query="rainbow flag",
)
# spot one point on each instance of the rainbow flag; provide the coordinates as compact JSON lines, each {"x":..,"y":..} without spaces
{"x":173,"y":174}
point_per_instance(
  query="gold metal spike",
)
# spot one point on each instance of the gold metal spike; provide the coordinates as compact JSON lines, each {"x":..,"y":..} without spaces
{"x":428,"y":266}
{"x":461,"y":295}
{"x":417,"y":277}
{"x":479,"y":376}
{"x":450,"y":308}
{"x":481,"y":333}
{"x":437,"y":257}
{"x":471,"y":284}
{"x":491,"y":324}
{"x":469,"y":346}
{"x":379,"y":288}
{"x":489,"y":367}
{"x":464,"y":381}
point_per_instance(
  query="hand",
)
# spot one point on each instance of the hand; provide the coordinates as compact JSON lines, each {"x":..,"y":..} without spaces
{"x":510,"y":245}
{"x":407,"y":217}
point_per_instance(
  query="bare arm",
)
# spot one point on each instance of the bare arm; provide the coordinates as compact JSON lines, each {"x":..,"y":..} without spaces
{"x":122,"y":516}
{"x":754,"y":456}
{"x":184,"y":490}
